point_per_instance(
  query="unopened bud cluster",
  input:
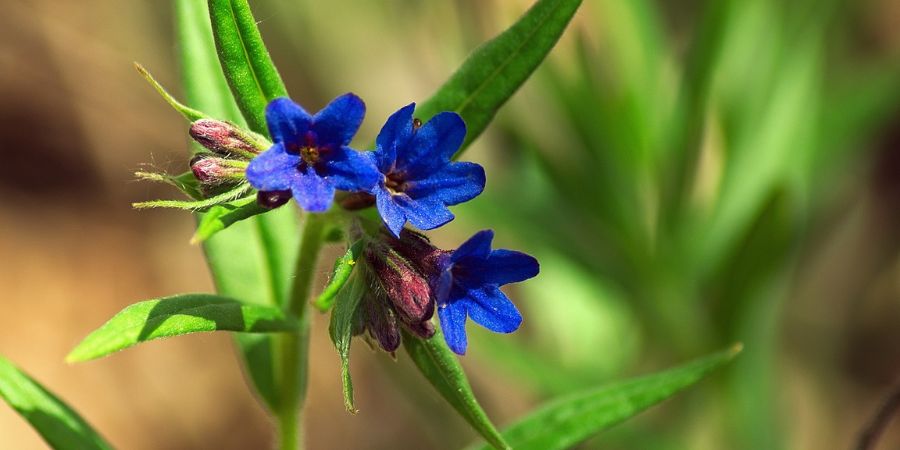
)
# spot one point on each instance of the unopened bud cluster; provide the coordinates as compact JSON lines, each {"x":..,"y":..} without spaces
{"x":230,"y":150}
{"x":399,"y":273}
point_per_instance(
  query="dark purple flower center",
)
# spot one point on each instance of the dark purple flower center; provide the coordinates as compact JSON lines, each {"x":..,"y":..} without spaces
{"x":395,"y":182}
{"x":310,"y":152}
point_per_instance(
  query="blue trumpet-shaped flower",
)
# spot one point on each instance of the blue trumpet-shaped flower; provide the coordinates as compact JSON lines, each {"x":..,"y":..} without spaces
{"x":468,"y":285}
{"x":418,"y":179}
{"x":311,"y":157}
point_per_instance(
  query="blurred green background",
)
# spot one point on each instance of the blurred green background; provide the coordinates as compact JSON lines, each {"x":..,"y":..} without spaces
{"x":690,"y":174}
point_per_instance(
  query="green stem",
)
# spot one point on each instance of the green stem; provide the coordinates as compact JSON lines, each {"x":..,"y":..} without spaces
{"x":295,"y":346}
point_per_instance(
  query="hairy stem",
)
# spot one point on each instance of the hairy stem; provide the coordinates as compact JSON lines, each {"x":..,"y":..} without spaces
{"x":294,"y":347}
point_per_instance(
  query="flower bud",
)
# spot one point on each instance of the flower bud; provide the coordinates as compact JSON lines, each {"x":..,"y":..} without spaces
{"x":211,"y":170}
{"x":406,"y":288}
{"x":225,"y":139}
{"x":417,"y":249}
{"x":272,"y":199}
{"x":377,"y":317}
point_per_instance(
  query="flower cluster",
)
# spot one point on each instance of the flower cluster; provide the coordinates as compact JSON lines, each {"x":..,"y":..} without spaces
{"x":411,"y":178}
{"x":410,"y":173}
{"x":412,"y":276}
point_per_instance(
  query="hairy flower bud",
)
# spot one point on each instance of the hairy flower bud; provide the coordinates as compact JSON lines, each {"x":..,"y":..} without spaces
{"x":211,"y":170}
{"x":417,"y":249}
{"x":407,"y":289}
{"x":225,"y":139}
{"x":377,"y":317}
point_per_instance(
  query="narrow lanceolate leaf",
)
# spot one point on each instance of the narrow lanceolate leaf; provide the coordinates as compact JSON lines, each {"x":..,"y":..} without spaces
{"x":262,"y":249}
{"x":564,"y":423}
{"x":185,"y":182}
{"x":442,"y":369}
{"x":60,"y":426}
{"x":343,"y":267}
{"x":245,"y":60}
{"x":189,"y":113}
{"x":341,"y":330}
{"x":196,"y":205}
{"x":494,"y":71}
{"x":177,"y":315}
{"x":222,"y":216}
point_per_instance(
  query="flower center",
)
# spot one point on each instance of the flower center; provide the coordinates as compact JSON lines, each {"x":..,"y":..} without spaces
{"x":395,"y":182}
{"x":310,"y":155}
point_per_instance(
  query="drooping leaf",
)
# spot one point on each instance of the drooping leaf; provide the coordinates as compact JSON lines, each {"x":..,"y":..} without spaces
{"x":189,"y":113}
{"x":175,"y":316}
{"x":343,"y":267}
{"x":245,"y":60}
{"x":564,"y":423}
{"x":222,"y":216}
{"x":496,"y":69}
{"x":263,"y":248}
{"x":341,"y":331}
{"x":441,"y":368}
{"x":60,"y":426}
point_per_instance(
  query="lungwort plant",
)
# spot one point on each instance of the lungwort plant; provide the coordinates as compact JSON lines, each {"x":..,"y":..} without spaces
{"x":271,"y":182}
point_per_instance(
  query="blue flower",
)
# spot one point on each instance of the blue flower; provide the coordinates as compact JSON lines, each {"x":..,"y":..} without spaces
{"x":418,"y":180}
{"x":310,"y":157}
{"x":469,"y":285}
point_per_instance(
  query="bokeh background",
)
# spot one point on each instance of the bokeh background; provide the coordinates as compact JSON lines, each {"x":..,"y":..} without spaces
{"x":690,"y":174}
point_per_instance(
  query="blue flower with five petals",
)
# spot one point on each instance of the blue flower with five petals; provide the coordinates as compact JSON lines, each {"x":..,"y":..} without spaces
{"x":468,"y":285}
{"x":311,"y":157}
{"x":418,"y":179}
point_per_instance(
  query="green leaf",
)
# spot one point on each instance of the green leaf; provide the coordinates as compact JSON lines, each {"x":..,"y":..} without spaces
{"x":564,"y":423}
{"x":185,"y":182}
{"x":190,"y":114}
{"x":496,"y":69}
{"x":252,"y":259}
{"x":177,"y":315}
{"x":343,"y":267}
{"x":227,"y":196}
{"x":60,"y":426}
{"x":341,"y":331}
{"x":245,"y":60}
{"x":222,"y":216}
{"x":441,"y":368}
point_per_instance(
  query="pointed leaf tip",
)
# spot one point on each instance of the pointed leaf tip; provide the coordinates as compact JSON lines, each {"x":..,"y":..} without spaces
{"x":189,"y":113}
{"x":175,"y":316}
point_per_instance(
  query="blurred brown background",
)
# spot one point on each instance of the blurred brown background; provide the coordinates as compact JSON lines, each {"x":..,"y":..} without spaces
{"x":76,"y":121}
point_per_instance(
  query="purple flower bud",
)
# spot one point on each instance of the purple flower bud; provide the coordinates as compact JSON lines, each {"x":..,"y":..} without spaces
{"x":211,"y":170}
{"x":377,"y":317}
{"x":418,"y":249}
{"x":225,"y":139}
{"x":404,"y":285}
{"x":272,"y":199}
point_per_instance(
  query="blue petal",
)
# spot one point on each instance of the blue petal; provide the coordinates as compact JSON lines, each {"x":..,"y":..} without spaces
{"x":350,"y":170}
{"x":453,"y":324}
{"x":433,"y":144}
{"x":502,"y":267}
{"x":424,"y":214}
{"x":456,"y":183}
{"x":273,"y":169}
{"x":478,"y":246}
{"x":313,"y":192}
{"x":395,"y":134}
{"x":491,"y":308}
{"x":336,"y":124}
{"x":444,"y":284}
{"x":391,"y":214}
{"x":288,"y":122}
